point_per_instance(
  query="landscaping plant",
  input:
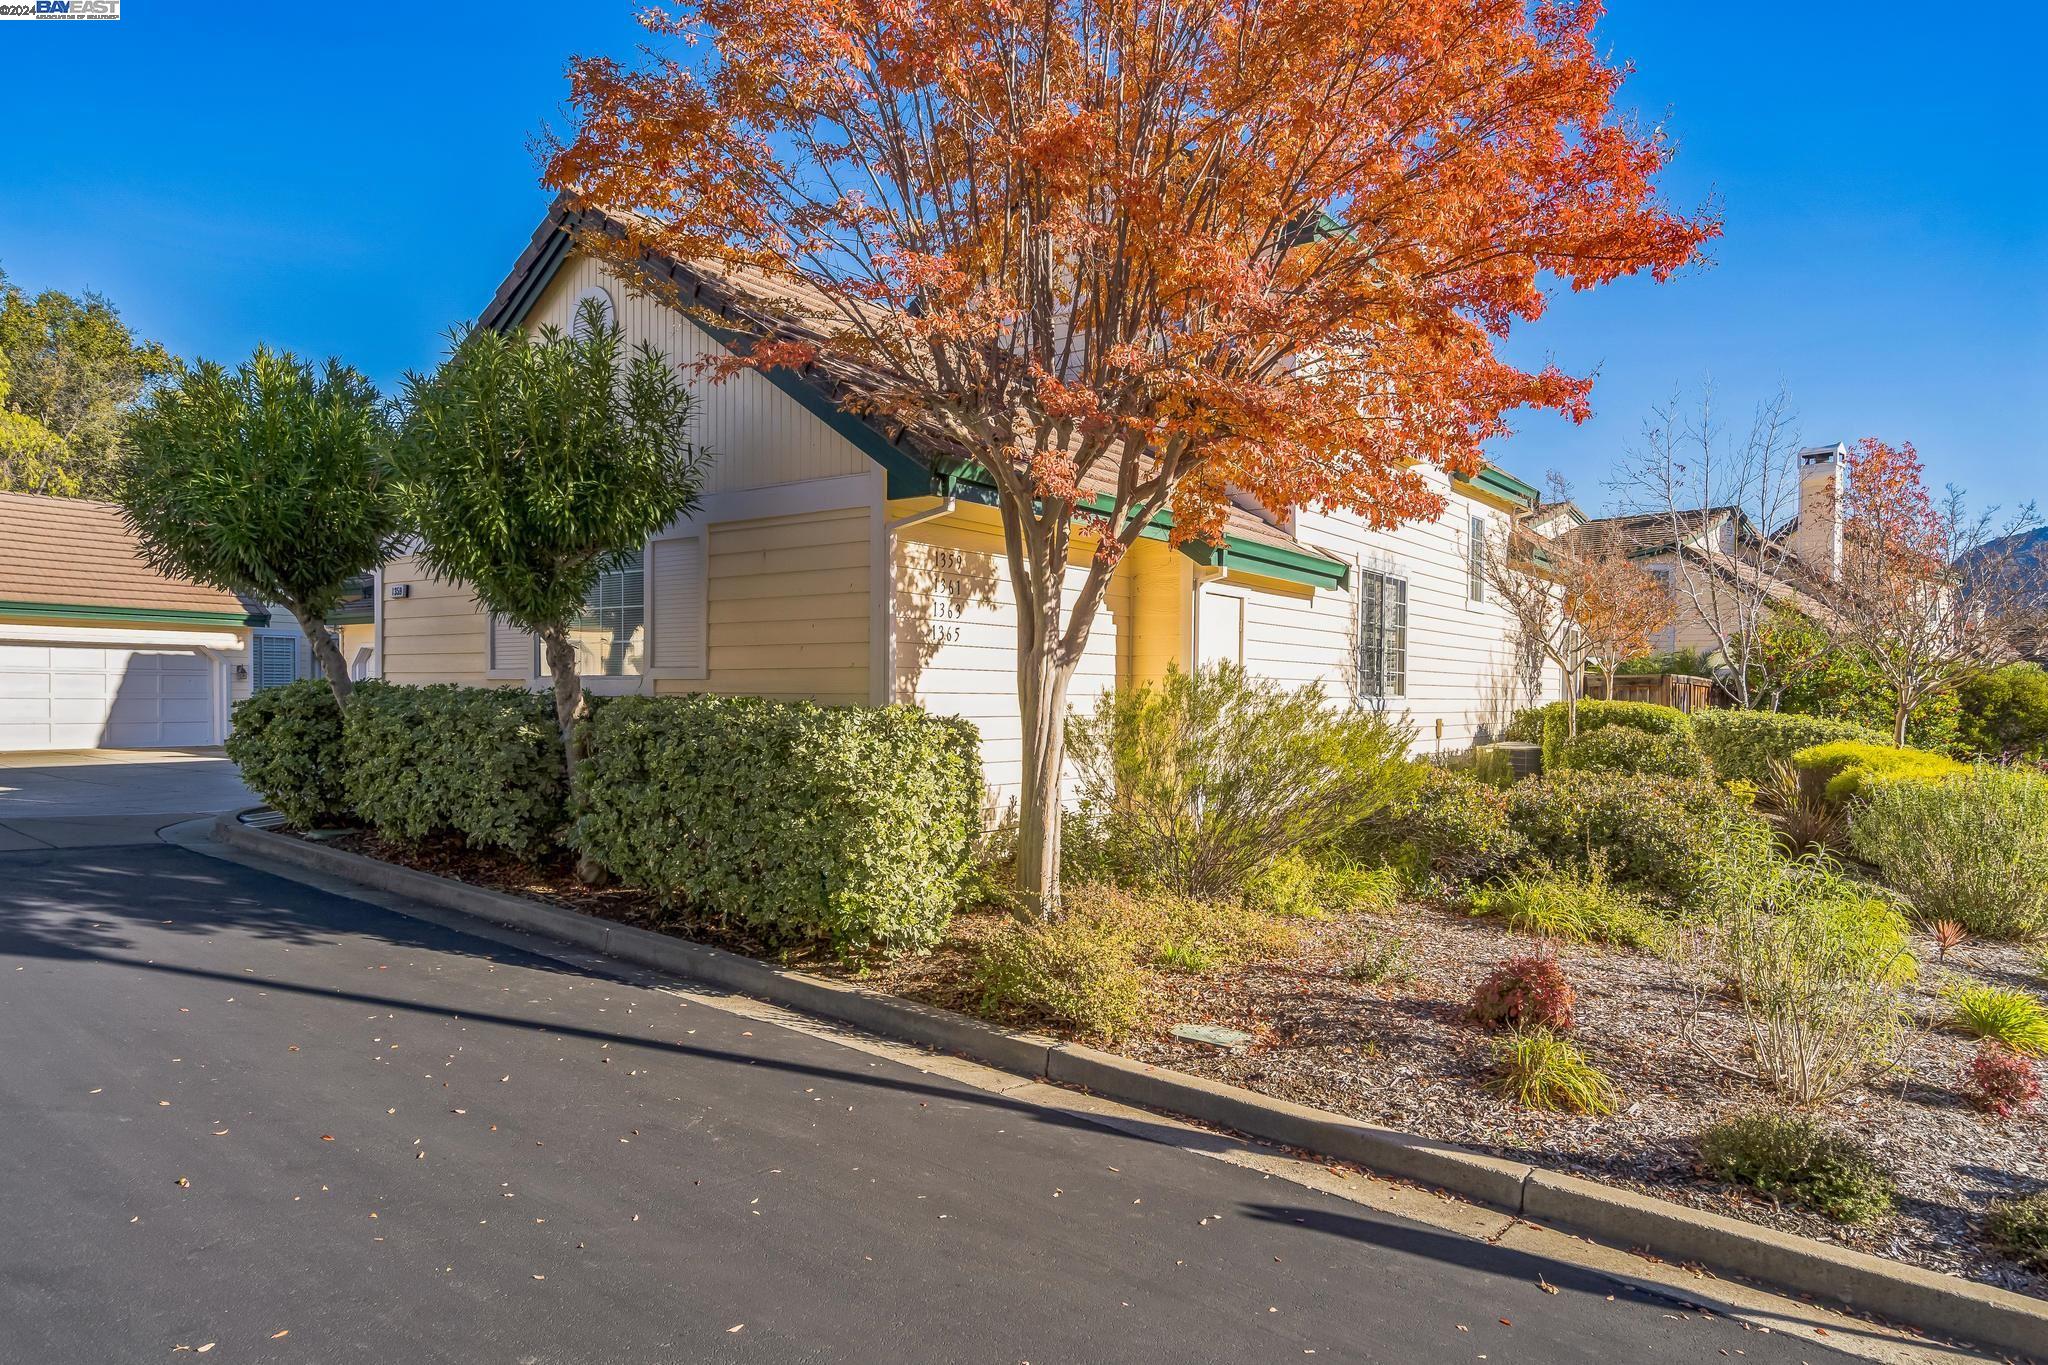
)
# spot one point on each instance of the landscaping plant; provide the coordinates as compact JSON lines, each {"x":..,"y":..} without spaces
{"x":1798,"y":805}
{"x":1530,"y":991}
{"x":1576,"y":906}
{"x":1846,"y":768}
{"x":272,"y":480}
{"x":1791,"y":1157}
{"x":1206,"y":777}
{"x":286,"y":742}
{"x":1666,"y":834}
{"x":2019,"y":1228}
{"x":2004,"y":713}
{"x":1744,"y":746}
{"x":1972,"y":848}
{"x":1454,"y":828}
{"x":1300,"y":886}
{"x":532,"y":464}
{"x":1540,"y":1070}
{"x":1074,"y":972}
{"x":1622,"y":749}
{"x":2000,"y":1080}
{"x":2011,"y":1017}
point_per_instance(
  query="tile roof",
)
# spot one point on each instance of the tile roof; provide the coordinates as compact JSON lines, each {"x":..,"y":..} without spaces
{"x":71,"y":552}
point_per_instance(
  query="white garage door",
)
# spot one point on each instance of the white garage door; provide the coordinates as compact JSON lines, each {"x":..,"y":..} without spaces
{"x":78,"y":697}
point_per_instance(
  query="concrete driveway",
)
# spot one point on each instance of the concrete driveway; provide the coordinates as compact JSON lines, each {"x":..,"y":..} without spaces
{"x":91,"y":798}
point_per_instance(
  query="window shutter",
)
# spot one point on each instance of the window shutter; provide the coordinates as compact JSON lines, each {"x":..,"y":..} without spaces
{"x":276,"y":662}
{"x":676,"y":594}
{"x":515,"y":653}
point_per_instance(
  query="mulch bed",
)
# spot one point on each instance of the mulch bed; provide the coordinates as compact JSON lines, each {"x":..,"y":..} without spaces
{"x":1403,"y":1054}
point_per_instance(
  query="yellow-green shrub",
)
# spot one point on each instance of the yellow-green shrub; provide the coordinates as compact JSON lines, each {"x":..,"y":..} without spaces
{"x":1744,"y":744}
{"x":1573,"y":905}
{"x":1848,"y":767}
{"x":851,"y":827}
{"x":1298,"y":885}
{"x":1971,"y":847}
{"x":1540,"y":1070}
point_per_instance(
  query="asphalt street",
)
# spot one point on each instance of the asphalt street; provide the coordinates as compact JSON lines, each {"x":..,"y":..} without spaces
{"x":251,"y":1121}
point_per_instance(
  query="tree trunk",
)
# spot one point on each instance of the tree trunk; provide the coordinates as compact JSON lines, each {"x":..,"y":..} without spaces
{"x":570,"y":708}
{"x":326,"y":654}
{"x":1042,"y":703}
{"x":1902,"y":713}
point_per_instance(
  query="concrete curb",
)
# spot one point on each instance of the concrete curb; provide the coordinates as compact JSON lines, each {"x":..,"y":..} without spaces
{"x":1933,"y":1302}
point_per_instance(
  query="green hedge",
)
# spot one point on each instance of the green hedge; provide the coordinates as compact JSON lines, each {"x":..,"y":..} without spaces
{"x":1625,"y":749}
{"x":1743,"y":744}
{"x":850,"y":828}
{"x":1454,"y":827}
{"x":1971,"y":847}
{"x":482,"y":762}
{"x":1670,"y":834}
{"x":1546,"y":725}
{"x":287,"y":742}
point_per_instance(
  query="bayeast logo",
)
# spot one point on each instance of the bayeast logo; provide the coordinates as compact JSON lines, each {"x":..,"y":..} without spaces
{"x":60,"y":9}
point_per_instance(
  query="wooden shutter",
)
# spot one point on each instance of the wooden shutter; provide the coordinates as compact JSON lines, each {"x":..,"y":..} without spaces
{"x":675,"y":591}
{"x":515,"y":653}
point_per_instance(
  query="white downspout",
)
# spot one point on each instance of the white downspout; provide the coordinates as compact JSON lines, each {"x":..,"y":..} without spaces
{"x":889,"y":530}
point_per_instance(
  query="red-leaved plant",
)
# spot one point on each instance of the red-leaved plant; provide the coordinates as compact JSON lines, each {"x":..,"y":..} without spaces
{"x":1525,"y":992}
{"x":2001,"y":1080}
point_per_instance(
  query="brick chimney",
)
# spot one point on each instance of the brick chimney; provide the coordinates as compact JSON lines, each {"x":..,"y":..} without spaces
{"x":1817,"y":539}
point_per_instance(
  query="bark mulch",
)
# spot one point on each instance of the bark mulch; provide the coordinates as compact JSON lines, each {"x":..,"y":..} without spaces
{"x":1400,"y":1051}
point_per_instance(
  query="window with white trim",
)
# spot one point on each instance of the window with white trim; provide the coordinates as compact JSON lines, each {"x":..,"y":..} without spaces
{"x":610,"y":634}
{"x":1475,"y":559}
{"x":1382,"y":635}
{"x":273,"y":659}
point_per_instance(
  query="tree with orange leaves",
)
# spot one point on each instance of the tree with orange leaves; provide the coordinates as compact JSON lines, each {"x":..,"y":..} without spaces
{"x":1617,"y":606}
{"x":1130,"y":257}
{"x":1928,"y":592}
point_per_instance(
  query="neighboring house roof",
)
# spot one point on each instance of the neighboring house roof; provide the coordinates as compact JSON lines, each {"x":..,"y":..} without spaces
{"x":68,"y":558}
{"x":1648,"y":533}
{"x":918,"y":461}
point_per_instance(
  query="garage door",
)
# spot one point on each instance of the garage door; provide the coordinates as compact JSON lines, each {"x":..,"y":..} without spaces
{"x":74,"y":697}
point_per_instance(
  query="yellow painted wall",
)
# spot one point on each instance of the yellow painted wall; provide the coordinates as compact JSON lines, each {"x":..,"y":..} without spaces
{"x":434,"y":634}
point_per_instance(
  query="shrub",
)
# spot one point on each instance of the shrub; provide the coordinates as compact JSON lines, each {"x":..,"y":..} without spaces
{"x":1744,"y":744}
{"x":1072,"y":973}
{"x":2013,"y":1018}
{"x":2019,"y":1228}
{"x":851,"y":827}
{"x":1791,"y":1157}
{"x":481,"y":762}
{"x":1381,"y":961}
{"x":1798,"y":806}
{"x":1540,"y":1070}
{"x":2000,"y":1080}
{"x":1547,"y":725}
{"x":287,"y":742}
{"x":1295,"y":885}
{"x":1620,"y":749}
{"x":2004,"y":713}
{"x":1206,"y":776}
{"x":1453,"y":826}
{"x":1847,"y":768}
{"x":1669,"y":834}
{"x":1525,"y":992}
{"x":1972,"y":848}
{"x":1578,"y":907}
{"x":1815,"y":964}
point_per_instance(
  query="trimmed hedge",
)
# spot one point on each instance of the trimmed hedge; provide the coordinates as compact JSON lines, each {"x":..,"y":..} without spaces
{"x":1547,"y":724}
{"x":1625,"y":749}
{"x":1670,"y":834}
{"x":1847,"y":768}
{"x":482,"y":762}
{"x":287,"y":742}
{"x":1743,"y":744}
{"x":850,"y":828}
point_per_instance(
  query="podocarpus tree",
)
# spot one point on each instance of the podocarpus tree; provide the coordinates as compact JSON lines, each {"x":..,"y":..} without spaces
{"x":532,"y":464}
{"x":1137,"y":259}
{"x":271,"y":480}
{"x":1930,"y":593}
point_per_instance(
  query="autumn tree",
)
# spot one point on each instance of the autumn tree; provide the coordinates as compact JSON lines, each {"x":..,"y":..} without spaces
{"x":1616,"y":606}
{"x":1692,"y":469}
{"x":1136,"y":259}
{"x":1930,"y":593}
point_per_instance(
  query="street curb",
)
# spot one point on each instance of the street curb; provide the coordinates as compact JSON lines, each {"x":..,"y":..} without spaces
{"x":1930,"y":1301}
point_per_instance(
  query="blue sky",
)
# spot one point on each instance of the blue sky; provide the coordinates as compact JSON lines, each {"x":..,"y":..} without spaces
{"x":353,"y":180}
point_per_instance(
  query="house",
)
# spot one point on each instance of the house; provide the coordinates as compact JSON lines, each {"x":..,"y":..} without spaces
{"x":834,"y":561}
{"x":98,"y":650}
{"x":1728,"y":559}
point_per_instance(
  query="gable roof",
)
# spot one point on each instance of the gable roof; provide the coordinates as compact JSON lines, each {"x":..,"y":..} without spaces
{"x":918,"y":462}
{"x":68,"y":558}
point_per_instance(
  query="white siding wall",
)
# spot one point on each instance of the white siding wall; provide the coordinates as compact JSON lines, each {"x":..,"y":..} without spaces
{"x":1460,"y":662}
{"x":955,"y":622}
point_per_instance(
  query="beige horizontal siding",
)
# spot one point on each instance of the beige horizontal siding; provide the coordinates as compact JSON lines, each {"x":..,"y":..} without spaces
{"x":435,"y":633}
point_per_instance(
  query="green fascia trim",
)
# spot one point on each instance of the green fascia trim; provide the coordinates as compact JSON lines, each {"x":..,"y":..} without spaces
{"x":153,"y":616}
{"x":1272,"y":561}
{"x":351,"y":616}
{"x":1506,"y":485}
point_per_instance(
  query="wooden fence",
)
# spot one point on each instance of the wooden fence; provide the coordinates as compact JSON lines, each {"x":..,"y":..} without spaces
{"x":1680,"y":690}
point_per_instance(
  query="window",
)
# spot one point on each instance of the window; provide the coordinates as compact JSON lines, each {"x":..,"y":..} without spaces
{"x":1382,"y":635}
{"x":1475,"y":559}
{"x":273,"y":660}
{"x":611,"y":632}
